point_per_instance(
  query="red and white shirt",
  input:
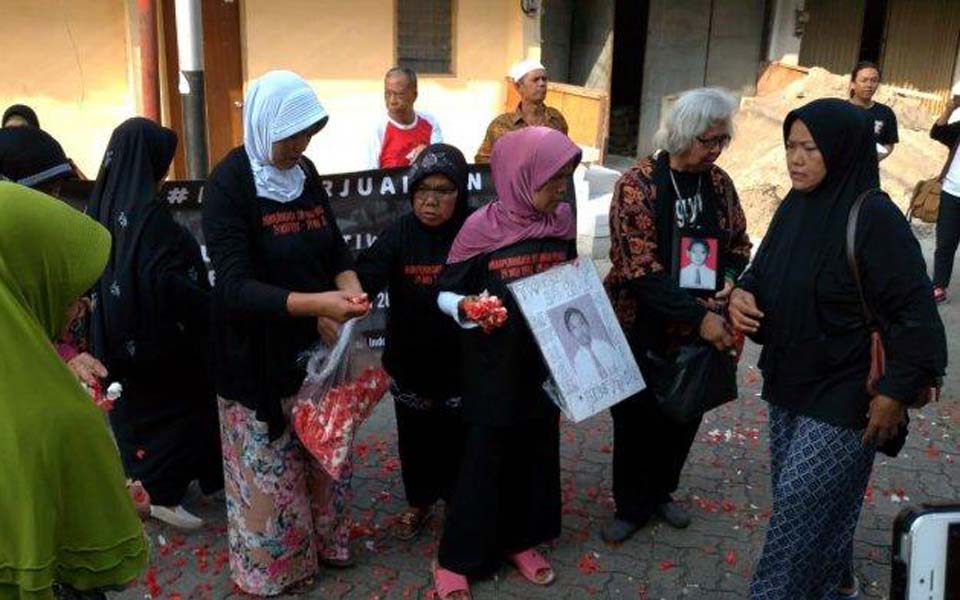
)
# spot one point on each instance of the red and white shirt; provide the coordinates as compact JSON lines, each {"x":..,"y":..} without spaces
{"x":393,"y":144}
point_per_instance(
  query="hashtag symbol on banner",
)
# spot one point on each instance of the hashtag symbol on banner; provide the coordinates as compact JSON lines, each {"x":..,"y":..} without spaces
{"x":178,"y":195}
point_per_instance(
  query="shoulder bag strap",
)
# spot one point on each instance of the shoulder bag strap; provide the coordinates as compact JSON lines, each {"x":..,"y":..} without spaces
{"x":852,"y":220}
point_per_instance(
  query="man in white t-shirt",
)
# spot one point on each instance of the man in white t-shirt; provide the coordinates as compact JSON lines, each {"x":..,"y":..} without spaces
{"x":595,"y":359}
{"x":697,"y":275}
{"x":403,"y":132}
{"x":946,"y":130}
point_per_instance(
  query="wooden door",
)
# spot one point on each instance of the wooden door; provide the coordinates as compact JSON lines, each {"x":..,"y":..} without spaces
{"x":223,"y":74}
{"x":223,"y":78}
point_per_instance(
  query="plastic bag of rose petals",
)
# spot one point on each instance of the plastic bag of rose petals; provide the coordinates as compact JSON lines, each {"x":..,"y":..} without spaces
{"x":343,"y":385}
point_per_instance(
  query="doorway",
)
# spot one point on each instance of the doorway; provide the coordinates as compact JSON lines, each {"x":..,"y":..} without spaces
{"x":626,"y":82}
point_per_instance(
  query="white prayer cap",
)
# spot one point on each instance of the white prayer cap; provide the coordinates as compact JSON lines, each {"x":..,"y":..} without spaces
{"x":956,"y":89}
{"x":523,"y":67}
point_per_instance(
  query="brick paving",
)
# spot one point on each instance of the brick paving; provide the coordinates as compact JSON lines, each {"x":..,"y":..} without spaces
{"x":725,"y":484}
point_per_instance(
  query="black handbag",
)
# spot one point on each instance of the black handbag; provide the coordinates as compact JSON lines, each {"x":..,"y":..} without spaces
{"x":690,"y":381}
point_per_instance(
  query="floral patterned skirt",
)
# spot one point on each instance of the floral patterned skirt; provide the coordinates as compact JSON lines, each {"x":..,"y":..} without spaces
{"x":285,"y":513}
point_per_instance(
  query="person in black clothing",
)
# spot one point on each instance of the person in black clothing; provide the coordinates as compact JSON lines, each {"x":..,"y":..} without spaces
{"x":864,"y":82}
{"x":507,"y":495}
{"x":32,"y":157}
{"x":422,"y":352}
{"x":283,"y":275}
{"x":946,"y":130}
{"x":149,"y":326}
{"x":679,"y":194}
{"x":800,"y":300}
{"x":19,"y":115}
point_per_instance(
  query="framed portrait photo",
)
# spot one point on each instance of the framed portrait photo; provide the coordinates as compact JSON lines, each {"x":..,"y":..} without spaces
{"x":697,"y":267}
{"x":590,"y":362}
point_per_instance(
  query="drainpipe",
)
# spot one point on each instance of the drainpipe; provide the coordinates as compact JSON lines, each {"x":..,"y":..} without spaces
{"x":149,"y":61}
{"x":190,"y":51}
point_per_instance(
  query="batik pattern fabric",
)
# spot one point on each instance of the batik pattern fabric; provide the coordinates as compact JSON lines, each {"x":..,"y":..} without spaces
{"x":820,"y":473}
{"x":284,"y":512}
{"x":634,"y":244}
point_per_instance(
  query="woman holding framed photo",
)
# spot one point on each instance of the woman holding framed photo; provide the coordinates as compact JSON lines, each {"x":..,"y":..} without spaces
{"x":678,"y":243}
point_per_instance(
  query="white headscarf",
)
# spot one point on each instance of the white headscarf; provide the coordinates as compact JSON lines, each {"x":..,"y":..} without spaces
{"x":278,"y":105}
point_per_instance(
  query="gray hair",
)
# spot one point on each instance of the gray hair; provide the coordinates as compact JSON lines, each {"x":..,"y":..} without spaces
{"x":410,"y":74}
{"x":693,"y":113}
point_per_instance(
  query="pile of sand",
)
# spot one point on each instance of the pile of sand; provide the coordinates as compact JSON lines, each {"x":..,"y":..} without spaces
{"x":756,"y":160}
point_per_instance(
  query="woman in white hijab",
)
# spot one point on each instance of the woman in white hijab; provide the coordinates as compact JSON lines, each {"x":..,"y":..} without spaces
{"x":283,"y":274}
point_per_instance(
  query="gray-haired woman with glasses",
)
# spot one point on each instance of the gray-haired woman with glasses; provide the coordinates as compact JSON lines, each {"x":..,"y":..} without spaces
{"x":665,"y":205}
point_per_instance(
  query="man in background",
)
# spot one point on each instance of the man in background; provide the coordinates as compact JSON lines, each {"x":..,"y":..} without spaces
{"x":530,"y":79}
{"x":864,"y":82}
{"x":403,"y":132}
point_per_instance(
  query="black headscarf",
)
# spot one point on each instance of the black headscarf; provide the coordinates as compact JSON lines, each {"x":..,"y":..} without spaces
{"x":809,"y":228}
{"x":21,"y":110}
{"x":126,"y":315}
{"x":30,"y":156}
{"x":443,"y":159}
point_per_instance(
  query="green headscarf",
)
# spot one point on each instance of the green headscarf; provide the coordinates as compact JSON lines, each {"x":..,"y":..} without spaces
{"x":65,"y":514}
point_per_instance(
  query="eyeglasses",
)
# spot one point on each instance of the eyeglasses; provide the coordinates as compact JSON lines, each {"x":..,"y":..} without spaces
{"x":717,"y":141}
{"x":440,"y":193}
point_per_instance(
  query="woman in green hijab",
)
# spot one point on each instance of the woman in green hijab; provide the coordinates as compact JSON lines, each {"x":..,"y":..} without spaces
{"x":65,"y":514}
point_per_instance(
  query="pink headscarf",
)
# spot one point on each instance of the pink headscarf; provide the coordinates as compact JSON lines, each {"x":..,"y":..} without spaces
{"x":522,"y":162}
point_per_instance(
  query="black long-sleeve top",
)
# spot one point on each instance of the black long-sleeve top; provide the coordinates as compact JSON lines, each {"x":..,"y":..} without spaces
{"x":261,"y":251}
{"x":825,"y":379}
{"x":946,"y":134}
{"x":503,"y":370}
{"x":422,"y":350}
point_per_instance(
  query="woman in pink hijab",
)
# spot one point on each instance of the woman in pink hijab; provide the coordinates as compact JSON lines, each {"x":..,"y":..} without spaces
{"x":507,"y":497}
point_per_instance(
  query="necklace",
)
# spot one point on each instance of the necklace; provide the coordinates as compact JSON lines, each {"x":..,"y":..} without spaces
{"x":687,"y":209}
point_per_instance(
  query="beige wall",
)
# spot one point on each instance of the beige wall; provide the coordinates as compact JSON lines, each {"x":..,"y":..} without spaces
{"x":69,"y":62}
{"x":343,"y":49}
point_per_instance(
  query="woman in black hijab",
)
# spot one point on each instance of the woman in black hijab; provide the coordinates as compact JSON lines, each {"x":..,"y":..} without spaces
{"x":800,"y":300}
{"x":149,"y":325}
{"x":19,"y":115}
{"x":422,"y":349}
{"x":32,"y":157}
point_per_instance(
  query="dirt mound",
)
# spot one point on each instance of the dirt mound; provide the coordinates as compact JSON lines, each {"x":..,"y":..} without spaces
{"x":756,"y":160}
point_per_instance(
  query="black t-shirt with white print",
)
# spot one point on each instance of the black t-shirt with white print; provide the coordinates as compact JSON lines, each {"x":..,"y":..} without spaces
{"x":884,"y":124}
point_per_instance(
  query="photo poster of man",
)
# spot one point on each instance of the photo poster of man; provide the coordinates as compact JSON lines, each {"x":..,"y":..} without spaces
{"x":364,"y":202}
{"x":697,"y":266}
{"x":590,"y":362}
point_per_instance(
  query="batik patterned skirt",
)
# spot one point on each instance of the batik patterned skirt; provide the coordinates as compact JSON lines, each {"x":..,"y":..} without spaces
{"x":820,"y":473}
{"x":285,"y":513}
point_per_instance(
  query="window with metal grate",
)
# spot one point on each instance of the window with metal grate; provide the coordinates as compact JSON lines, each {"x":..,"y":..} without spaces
{"x":425,"y":36}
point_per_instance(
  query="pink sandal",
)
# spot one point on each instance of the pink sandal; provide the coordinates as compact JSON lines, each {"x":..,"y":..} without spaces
{"x":447,"y":583}
{"x":531,"y":563}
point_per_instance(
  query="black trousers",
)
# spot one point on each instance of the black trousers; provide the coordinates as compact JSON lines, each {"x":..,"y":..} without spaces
{"x":430,"y":442}
{"x":507,"y":497}
{"x":948,"y":237}
{"x":649,"y":451}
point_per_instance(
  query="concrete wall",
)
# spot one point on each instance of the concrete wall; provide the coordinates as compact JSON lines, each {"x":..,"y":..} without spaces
{"x":735,"y":45}
{"x":70,"y":62}
{"x":784,"y":42}
{"x":343,"y":49}
{"x":676,"y":58}
{"x":591,"y":51}
{"x":680,"y":35}
{"x":557,"y":25}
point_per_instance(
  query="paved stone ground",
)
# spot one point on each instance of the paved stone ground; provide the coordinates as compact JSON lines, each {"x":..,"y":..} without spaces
{"x":725,"y":484}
